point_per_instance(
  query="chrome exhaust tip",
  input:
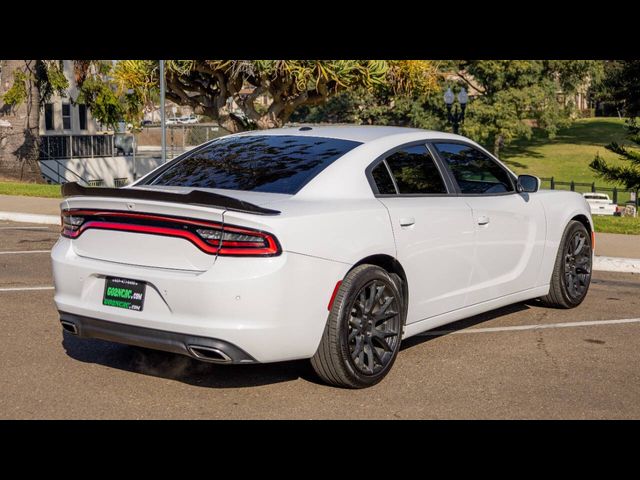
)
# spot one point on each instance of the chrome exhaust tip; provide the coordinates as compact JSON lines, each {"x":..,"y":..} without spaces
{"x":69,"y":327}
{"x":208,"y":354}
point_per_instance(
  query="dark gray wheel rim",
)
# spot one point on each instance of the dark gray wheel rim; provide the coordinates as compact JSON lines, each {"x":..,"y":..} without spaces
{"x":374,"y":326}
{"x":577,"y":265}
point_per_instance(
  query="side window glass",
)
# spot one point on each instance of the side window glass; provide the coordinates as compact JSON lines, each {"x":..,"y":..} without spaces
{"x":475,"y":172}
{"x":383,"y":180}
{"x":415,"y":171}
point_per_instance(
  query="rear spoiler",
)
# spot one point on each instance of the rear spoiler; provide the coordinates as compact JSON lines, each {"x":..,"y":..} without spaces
{"x":194,"y":197}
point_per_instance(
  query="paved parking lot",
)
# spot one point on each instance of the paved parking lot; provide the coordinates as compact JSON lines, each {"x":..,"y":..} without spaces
{"x":522,"y":361}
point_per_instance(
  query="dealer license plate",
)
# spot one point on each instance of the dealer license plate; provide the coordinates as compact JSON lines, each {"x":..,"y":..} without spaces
{"x":124,"y":293}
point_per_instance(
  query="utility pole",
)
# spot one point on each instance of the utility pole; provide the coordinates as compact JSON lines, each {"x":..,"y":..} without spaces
{"x":162,"y":116}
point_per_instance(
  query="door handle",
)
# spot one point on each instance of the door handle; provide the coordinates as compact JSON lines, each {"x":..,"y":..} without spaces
{"x":407,"y":221}
{"x":483,"y":220}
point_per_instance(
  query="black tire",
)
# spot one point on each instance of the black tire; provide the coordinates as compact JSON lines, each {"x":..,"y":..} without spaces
{"x":362,"y":337}
{"x":571,"y":275}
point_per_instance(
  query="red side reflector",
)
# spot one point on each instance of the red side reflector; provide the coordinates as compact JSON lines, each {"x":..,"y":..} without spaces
{"x":593,"y":240}
{"x":333,"y":295}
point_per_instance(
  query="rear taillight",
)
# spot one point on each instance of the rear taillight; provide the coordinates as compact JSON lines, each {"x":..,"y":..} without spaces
{"x":71,"y":225}
{"x":211,"y":237}
{"x":237,"y":241}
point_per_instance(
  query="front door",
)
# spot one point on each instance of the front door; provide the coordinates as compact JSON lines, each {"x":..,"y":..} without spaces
{"x":510,"y":227}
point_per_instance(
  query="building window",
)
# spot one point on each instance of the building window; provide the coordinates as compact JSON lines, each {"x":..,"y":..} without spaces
{"x":82,"y":116}
{"x":48,"y":117}
{"x":66,"y":116}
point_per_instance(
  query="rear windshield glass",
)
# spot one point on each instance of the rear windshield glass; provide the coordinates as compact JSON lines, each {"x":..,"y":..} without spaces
{"x":267,"y":163}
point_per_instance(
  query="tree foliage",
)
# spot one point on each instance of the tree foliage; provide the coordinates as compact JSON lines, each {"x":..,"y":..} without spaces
{"x":408,"y":97}
{"x":621,"y":86}
{"x":511,"y":96}
{"x":48,"y":77}
{"x":627,"y":174}
{"x":210,"y":86}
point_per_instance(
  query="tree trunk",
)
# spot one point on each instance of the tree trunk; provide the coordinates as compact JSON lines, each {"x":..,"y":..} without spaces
{"x":19,"y":125}
{"x":497,"y":144}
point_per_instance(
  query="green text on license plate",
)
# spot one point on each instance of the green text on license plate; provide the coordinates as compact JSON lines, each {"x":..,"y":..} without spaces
{"x":124,"y":293}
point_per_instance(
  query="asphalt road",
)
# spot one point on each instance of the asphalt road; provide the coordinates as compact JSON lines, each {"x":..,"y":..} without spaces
{"x":481,"y":367}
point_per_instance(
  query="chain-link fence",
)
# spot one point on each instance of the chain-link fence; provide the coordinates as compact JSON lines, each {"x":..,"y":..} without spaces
{"x":180,"y":138}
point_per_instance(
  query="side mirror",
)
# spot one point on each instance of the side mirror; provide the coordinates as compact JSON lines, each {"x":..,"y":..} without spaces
{"x":528,"y":184}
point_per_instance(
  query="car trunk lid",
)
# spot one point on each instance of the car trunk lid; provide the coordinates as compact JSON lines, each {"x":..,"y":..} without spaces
{"x":152,"y":227}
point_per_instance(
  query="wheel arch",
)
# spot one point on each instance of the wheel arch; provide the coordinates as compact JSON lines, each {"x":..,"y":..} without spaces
{"x":584,"y":220}
{"x":391,"y":265}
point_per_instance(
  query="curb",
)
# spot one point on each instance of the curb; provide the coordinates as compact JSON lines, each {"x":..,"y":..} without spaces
{"x":30,"y":218}
{"x":616,"y":264}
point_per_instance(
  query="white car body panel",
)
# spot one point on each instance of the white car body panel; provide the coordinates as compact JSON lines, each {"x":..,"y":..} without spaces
{"x":440,"y":240}
{"x":508,"y":248}
{"x":276,"y":308}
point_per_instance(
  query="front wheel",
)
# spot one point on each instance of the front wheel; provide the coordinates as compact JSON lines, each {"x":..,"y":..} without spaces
{"x":572,"y":271}
{"x":363,"y":332}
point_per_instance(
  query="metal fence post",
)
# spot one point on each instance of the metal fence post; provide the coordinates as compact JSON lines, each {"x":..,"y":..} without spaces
{"x":553,"y":183}
{"x":615,"y":195}
{"x":172,"y":129}
{"x":573,"y":186}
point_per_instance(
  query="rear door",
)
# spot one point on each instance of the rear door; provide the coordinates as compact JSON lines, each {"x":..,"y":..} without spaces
{"x":510,"y":227}
{"x":433,"y":229}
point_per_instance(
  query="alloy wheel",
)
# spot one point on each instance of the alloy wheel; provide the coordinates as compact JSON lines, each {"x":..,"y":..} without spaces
{"x":577,"y":265}
{"x":374,"y":327}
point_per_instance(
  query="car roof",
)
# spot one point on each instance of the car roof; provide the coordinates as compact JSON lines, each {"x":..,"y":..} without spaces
{"x":356,"y":133}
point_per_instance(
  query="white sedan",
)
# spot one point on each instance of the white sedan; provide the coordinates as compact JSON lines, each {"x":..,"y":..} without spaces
{"x":328,"y":243}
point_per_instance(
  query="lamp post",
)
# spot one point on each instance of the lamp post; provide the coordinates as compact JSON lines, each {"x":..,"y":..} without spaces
{"x":163,"y":122}
{"x":456,"y":115}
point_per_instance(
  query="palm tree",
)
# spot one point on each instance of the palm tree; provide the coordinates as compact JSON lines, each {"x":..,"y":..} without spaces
{"x":19,"y":121}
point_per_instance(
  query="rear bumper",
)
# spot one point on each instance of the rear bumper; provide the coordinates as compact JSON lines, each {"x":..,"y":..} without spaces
{"x":274,"y":309}
{"x":202,"y":348}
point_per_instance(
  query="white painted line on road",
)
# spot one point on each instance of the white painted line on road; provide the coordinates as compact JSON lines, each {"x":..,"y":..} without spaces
{"x":30,"y":218}
{"x":24,"y":228}
{"x":24,"y":289}
{"x":24,"y":251}
{"x":588,"y":323}
{"x":616,"y":264}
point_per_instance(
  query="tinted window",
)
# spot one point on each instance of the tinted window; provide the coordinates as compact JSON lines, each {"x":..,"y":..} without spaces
{"x":267,"y":163}
{"x":383,"y":180}
{"x":415,"y":171}
{"x":474,"y":171}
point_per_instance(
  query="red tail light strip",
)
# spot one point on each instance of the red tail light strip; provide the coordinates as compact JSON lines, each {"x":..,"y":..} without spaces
{"x":269,"y":246}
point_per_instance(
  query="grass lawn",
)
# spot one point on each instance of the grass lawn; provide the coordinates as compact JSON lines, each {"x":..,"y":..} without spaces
{"x":611,"y":224}
{"x":30,"y":189}
{"x":567,"y":156}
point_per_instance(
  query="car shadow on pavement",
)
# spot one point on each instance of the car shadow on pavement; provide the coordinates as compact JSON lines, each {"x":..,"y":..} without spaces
{"x":193,"y":372}
{"x":468,"y":322}
{"x":182,"y":368}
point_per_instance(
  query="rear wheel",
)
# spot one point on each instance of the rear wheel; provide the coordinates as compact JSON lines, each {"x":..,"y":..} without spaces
{"x":362,"y":337}
{"x":572,"y":271}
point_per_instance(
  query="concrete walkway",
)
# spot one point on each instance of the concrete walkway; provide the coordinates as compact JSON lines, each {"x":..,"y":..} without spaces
{"x":35,"y":205}
{"x":618,"y":245}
